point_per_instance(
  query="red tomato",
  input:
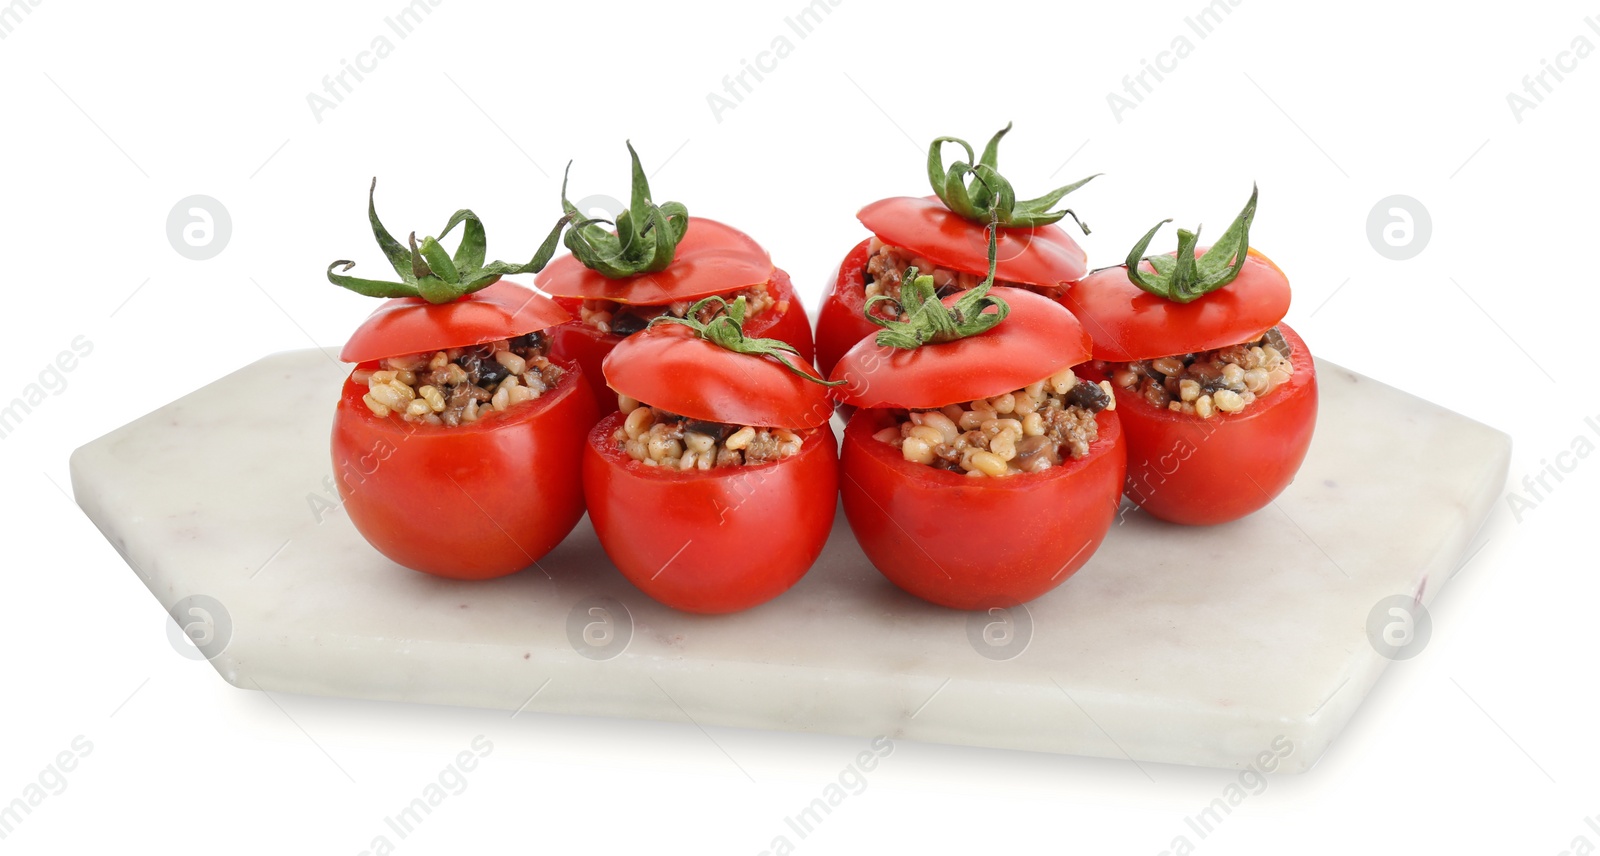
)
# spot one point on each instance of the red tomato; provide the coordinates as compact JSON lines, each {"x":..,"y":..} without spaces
{"x":955,"y":540}
{"x":1035,"y":341}
{"x":672,"y":368}
{"x":970,"y":543}
{"x":723,"y":539}
{"x":411,"y":325}
{"x":476,"y":501}
{"x":578,"y":341}
{"x":1043,"y":256}
{"x":1182,"y":468}
{"x":1194,"y":471}
{"x":711,"y":541}
{"x":1128,"y":323}
{"x":720,"y":540}
{"x":479,"y":500}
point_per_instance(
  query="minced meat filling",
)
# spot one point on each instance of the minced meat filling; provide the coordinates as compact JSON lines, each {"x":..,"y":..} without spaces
{"x":657,"y":438}
{"x":626,"y":319}
{"x":460,"y":385}
{"x":1025,"y":431}
{"x":1225,"y":380}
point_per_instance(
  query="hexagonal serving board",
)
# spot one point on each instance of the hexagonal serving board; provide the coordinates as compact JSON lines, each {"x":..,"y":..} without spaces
{"x":1191,"y":646}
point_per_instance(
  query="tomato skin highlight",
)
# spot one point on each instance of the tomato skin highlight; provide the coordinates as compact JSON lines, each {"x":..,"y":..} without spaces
{"x":1200,"y":472}
{"x":473,"y":502}
{"x":411,"y":325}
{"x":971,"y":543}
{"x":1129,"y":324}
{"x":713,"y":541}
{"x":589,"y":347}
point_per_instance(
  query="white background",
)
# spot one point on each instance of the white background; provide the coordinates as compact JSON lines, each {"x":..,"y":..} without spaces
{"x":114,"y":111}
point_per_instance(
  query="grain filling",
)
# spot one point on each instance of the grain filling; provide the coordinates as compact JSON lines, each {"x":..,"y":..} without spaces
{"x":658,"y":438}
{"x":625,"y":319}
{"x":459,"y":386}
{"x":1223,"y":380}
{"x":1028,"y":430}
{"x":886,"y":267}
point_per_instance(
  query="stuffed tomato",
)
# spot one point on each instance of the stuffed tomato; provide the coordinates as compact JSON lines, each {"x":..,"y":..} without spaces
{"x":456,"y":440}
{"x":945,"y":236}
{"x":658,"y":261}
{"x":979,"y":470}
{"x":713,"y":488}
{"x":1218,"y":395}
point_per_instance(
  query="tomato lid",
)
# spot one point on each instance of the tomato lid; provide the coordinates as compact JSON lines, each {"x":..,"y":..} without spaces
{"x":1128,"y":323}
{"x":712,"y":258}
{"x":669,"y":366}
{"x":412,"y":325}
{"x":1038,"y":255}
{"x":1039,"y":338}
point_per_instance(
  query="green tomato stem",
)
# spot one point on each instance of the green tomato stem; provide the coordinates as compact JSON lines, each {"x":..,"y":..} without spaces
{"x":1183,"y":278}
{"x":426,"y":270}
{"x":988,"y":197}
{"x":725,"y":329}
{"x":928,"y":320}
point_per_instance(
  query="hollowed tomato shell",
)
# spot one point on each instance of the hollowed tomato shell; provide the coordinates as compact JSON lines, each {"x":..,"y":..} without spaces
{"x":975,"y":543}
{"x":1199,"y":472}
{"x":476,"y":501}
{"x":711,"y":541}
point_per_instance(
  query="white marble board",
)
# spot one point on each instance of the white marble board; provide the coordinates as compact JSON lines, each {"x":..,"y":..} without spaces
{"x":1181,"y":645}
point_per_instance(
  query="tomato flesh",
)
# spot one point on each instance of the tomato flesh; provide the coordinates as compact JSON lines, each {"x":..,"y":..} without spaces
{"x":711,"y":541}
{"x":589,"y":347}
{"x":472,"y":502}
{"x":1199,"y":472}
{"x":975,"y":543}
